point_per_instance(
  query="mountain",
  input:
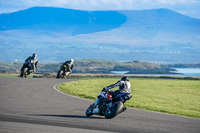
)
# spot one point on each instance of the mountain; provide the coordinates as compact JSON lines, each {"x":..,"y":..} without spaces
{"x":69,"y":21}
{"x":151,"y":27}
{"x":57,"y":34}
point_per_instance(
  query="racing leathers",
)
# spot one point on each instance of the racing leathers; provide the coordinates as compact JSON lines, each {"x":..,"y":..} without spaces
{"x":124,"y":87}
{"x":69,"y":66}
{"x":33,"y":61}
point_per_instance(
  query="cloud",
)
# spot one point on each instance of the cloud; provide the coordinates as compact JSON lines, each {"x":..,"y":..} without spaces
{"x":188,"y":7}
{"x":173,"y":2}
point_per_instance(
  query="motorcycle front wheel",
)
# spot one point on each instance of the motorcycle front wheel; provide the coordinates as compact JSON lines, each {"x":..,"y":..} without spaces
{"x":89,"y":111}
{"x":60,"y":74}
{"x":24,"y":71}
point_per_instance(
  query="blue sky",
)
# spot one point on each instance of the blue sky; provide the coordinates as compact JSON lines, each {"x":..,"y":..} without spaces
{"x":187,"y":7}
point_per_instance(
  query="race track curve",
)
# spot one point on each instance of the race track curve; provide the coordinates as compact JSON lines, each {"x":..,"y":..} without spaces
{"x":31,"y":105}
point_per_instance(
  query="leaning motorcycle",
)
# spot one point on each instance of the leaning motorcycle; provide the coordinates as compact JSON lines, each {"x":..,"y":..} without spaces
{"x":108,"y":105}
{"x":61,"y":73}
{"x":27,"y":69}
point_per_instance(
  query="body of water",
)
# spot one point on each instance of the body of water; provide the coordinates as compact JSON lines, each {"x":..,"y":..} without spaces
{"x":188,"y":71}
{"x":119,"y":72}
{"x":180,"y":72}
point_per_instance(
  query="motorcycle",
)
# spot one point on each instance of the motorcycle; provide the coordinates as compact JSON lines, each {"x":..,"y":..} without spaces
{"x":27,"y":69}
{"x":61,"y":73}
{"x":108,"y":105}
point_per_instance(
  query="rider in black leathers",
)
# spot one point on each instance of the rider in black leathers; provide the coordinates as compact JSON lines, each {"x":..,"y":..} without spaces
{"x":69,"y":66}
{"x":34,"y":61}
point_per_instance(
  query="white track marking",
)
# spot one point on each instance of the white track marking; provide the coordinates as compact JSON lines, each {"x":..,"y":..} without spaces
{"x":55,"y":88}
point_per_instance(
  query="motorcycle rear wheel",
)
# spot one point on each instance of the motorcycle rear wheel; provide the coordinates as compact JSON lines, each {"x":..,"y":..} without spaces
{"x":115,"y":110}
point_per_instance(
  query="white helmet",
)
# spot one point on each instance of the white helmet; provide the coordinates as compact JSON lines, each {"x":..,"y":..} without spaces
{"x":72,"y":60}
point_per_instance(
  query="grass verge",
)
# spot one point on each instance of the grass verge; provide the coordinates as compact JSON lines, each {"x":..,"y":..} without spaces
{"x":9,"y":75}
{"x":172,"y":96}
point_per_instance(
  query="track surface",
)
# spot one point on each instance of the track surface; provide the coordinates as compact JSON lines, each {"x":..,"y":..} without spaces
{"x":32,"y":105}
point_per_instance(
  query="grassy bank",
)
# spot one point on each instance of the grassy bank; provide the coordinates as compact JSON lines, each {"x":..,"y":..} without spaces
{"x":173,"y":96}
{"x":8,"y":75}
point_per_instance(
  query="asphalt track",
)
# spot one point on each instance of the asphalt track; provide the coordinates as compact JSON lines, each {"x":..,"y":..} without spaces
{"x":31,"y":105}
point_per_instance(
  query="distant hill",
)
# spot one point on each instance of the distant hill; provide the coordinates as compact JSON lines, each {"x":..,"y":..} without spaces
{"x":158,"y":35}
{"x":156,"y":27}
{"x":144,"y":24}
{"x":93,"y":66}
{"x":68,"y":21}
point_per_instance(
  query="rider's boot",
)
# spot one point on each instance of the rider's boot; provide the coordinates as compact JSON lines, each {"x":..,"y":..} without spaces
{"x":124,"y":108}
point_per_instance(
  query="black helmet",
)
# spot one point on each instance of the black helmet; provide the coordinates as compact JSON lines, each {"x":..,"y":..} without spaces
{"x":34,"y":55}
{"x":124,"y":78}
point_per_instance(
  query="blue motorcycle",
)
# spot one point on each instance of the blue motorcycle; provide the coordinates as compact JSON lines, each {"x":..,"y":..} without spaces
{"x":27,"y":68}
{"x":108,"y":105}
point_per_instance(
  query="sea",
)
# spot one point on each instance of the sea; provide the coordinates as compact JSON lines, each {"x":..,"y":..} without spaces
{"x":194,"y":72}
{"x":188,"y":71}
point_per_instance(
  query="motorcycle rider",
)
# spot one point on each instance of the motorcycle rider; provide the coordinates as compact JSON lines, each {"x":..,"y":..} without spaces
{"x":33,"y":60}
{"x":69,"y":66}
{"x":124,"y":87}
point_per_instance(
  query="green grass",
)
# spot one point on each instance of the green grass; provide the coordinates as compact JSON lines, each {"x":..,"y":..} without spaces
{"x":173,"y":96}
{"x":9,"y":75}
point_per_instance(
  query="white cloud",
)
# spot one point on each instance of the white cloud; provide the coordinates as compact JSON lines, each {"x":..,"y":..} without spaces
{"x":174,"y":2}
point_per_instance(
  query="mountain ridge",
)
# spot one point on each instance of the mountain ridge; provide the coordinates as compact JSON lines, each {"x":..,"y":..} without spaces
{"x":60,"y":19}
{"x":157,"y":35}
{"x":138,"y":24}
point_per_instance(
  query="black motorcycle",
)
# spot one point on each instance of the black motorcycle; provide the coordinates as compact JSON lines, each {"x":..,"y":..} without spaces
{"x":27,"y":69}
{"x":62,"y":73}
{"x":108,"y":105}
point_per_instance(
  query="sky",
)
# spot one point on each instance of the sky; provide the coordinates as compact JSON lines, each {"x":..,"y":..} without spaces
{"x":187,"y":7}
